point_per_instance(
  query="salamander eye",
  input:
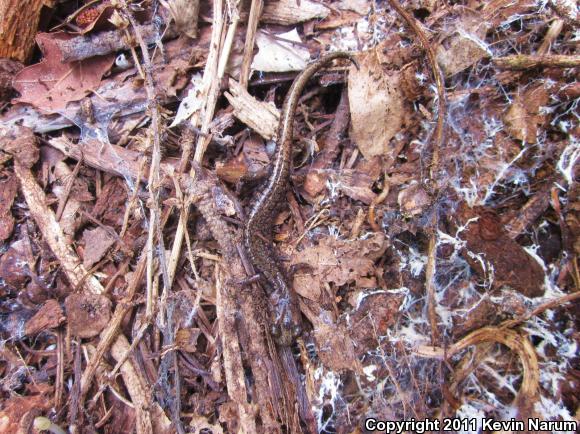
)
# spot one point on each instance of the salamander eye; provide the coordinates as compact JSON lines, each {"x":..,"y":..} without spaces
{"x":296,"y":331}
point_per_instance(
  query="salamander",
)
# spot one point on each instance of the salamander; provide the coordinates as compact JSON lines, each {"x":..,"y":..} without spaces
{"x":285,"y":312}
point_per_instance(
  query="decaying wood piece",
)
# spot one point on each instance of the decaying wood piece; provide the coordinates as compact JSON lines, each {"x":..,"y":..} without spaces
{"x":18,"y":26}
{"x":135,"y":386}
{"x":233,"y":367}
{"x":520,"y":62}
{"x":209,"y":93}
{"x":287,"y":12}
{"x":113,"y":159}
{"x":260,"y":116}
{"x":530,"y":212}
{"x":99,"y":44}
{"x":261,"y":358}
{"x":109,"y":335}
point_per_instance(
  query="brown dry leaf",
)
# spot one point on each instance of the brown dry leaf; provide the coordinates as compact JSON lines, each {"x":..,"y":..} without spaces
{"x":232,"y":170}
{"x":186,"y":339}
{"x":277,"y":55}
{"x":381,"y":116}
{"x":8,"y":190}
{"x":336,"y":349}
{"x":372,"y":318}
{"x":519,"y":123}
{"x":254,"y":152}
{"x":21,"y":143}
{"x":51,"y":84}
{"x":489,"y":244}
{"x":316,"y":181}
{"x":523,"y":116}
{"x":118,"y":95}
{"x":463,"y":50}
{"x":354,"y":183}
{"x":87,"y":314}
{"x":339,"y":262}
{"x":97,"y":242}
{"x":413,"y":200}
{"x":50,"y":315}
{"x":248,"y":165}
{"x":14,"y":267}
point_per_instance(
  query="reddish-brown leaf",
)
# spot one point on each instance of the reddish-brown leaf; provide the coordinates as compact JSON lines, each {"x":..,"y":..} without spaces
{"x":51,"y":84}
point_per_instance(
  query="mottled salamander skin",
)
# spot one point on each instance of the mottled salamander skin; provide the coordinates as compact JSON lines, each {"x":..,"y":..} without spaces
{"x":258,"y":229}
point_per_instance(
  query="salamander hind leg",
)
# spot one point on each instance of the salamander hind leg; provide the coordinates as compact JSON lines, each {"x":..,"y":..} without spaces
{"x":285,"y":315}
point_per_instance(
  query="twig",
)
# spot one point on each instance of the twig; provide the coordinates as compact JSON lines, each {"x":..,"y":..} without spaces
{"x":551,"y":35}
{"x":541,"y":309}
{"x":253,"y":21}
{"x":109,"y":335}
{"x":136,"y":387}
{"x":64,"y":198}
{"x":372,"y":218}
{"x":521,"y":62}
{"x":437,"y":75}
{"x":133,"y":198}
{"x":59,"y":380}
{"x":227,"y":46}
